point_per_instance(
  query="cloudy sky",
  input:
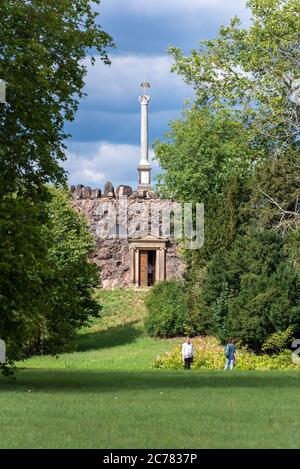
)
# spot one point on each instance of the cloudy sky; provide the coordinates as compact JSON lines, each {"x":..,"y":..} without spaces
{"x":105,"y":134}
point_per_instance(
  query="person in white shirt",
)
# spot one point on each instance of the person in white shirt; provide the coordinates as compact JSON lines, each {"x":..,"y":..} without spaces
{"x":150,"y":274}
{"x":187,"y":353}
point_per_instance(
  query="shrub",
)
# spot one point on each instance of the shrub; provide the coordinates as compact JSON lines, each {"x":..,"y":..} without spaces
{"x":166,"y":304}
{"x":71,"y":278}
{"x":278,"y":341}
{"x":252,"y":290}
{"x":47,"y":282}
{"x":209,"y":354}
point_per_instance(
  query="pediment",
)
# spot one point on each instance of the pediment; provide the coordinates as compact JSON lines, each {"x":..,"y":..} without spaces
{"x":148,"y":240}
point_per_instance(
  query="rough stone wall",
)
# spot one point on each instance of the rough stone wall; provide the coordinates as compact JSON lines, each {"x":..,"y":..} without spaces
{"x":112,"y":255}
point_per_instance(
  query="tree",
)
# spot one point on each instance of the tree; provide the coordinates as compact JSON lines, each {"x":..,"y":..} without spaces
{"x":202,"y":153}
{"x":71,"y":278}
{"x":275,"y":201}
{"x":43,"y":44}
{"x":168,"y":315}
{"x":251,"y":286}
{"x":23,"y":267}
{"x":255,"y":72}
{"x":252,"y":290}
{"x":43,"y":47}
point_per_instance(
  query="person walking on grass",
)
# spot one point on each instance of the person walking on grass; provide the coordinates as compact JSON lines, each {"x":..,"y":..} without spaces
{"x":187,"y":353}
{"x":229,"y":352}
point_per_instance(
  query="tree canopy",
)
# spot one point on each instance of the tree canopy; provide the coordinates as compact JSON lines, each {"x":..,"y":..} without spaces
{"x":42,"y":47}
{"x":46,"y":279}
{"x":237,"y":150}
{"x":254,"y":71}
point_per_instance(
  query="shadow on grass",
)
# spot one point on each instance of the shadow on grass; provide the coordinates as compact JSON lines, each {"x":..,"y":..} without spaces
{"x":112,"y":337}
{"x":68,"y":381}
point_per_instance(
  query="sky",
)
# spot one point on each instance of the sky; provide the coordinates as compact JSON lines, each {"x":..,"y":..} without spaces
{"x":105,"y":141}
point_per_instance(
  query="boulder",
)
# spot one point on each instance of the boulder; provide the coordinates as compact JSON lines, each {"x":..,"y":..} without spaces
{"x":109,"y":189}
{"x":95,"y":193}
{"x":77,"y":194}
{"x":86,"y":192}
{"x":123,"y":191}
{"x":103,"y":253}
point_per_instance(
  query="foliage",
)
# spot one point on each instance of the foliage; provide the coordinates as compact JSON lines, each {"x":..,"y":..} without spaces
{"x":292,"y":248}
{"x":210,"y":355}
{"x":167,"y":310}
{"x":274,"y":201}
{"x":254,"y":72}
{"x":43,"y":45}
{"x":243,"y":281}
{"x":71,"y":278}
{"x":278,"y":341}
{"x":252,"y":285}
{"x":24,"y":269}
{"x":203,"y":151}
{"x":262,"y":285}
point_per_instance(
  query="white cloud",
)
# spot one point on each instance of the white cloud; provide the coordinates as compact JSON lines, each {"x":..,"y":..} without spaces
{"x":90,"y":174}
{"x":118,"y":85}
{"x":167,"y":6}
{"x":93,"y":163}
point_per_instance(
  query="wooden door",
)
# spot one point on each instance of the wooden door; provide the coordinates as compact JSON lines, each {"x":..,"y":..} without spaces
{"x":143,"y":268}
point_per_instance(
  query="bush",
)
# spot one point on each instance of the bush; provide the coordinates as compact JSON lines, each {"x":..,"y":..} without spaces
{"x":278,"y":341}
{"x":71,"y":278}
{"x":47,"y":281}
{"x":166,"y":304}
{"x":210,"y":355}
{"x":251,"y":291}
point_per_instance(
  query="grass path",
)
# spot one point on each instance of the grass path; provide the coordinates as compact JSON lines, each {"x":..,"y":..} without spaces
{"x":105,"y":395}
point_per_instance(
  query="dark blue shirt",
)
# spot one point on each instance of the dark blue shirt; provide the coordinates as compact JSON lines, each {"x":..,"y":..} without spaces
{"x":231,"y":348}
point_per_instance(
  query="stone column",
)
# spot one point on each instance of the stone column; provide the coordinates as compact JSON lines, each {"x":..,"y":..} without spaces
{"x":136,"y":267}
{"x":157,"y":265}
{"x":132,"y":265}
{"x":144,"y":129}
{"x":162,"y":266}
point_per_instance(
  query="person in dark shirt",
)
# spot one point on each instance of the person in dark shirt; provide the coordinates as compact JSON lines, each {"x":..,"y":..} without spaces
{"x":229,"y":352}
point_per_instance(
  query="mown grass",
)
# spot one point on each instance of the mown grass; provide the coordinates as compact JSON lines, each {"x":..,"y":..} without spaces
{"x":105,"y":395}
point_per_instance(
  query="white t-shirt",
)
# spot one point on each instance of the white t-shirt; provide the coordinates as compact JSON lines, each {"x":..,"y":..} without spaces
{"x":187,"y":350}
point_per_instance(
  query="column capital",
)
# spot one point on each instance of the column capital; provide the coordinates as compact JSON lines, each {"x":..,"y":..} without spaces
{"x":144,"y":99}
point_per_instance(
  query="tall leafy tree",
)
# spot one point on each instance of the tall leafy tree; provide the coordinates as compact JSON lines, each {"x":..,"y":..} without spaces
{"x":43,"y":44}
{"x":43,"y":47}
{"x":237,"y":150}
{"x":202,"y":152}
{"x":47,"y":280}
{"x":254,"y":71}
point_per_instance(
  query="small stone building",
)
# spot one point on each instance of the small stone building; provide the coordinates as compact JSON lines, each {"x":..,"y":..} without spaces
{"x":134,"y":246}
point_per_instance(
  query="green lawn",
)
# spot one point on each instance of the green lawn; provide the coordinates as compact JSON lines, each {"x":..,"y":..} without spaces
{"x":105,"y":395}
